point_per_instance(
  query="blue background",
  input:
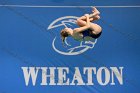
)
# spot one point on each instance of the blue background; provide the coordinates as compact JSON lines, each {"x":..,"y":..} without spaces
{"x":24,"y":41}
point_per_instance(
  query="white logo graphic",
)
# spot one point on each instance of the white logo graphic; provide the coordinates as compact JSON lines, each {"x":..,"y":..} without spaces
{"x":72,"y":49}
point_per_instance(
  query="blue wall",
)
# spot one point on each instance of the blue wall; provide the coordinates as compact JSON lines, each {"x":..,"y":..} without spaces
{"x":25,"y":41}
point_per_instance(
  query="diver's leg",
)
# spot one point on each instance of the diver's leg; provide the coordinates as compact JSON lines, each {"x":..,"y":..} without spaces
{"x":95,"y":12}
{"x":82,"y":22}
{"x":94,"y":16}
{"x":95,"y":28}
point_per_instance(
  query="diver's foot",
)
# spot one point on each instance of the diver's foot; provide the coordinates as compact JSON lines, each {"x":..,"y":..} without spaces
{"x":95,"y":11}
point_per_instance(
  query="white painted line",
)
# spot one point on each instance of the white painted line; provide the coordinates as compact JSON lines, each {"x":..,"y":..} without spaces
{"x":37,"y":6}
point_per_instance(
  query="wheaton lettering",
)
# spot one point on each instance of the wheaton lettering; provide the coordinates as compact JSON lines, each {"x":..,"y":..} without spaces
{"x":73,"y":76}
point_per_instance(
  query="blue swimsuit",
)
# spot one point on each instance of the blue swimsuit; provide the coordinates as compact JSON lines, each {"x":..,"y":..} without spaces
{"x":88,"y":33}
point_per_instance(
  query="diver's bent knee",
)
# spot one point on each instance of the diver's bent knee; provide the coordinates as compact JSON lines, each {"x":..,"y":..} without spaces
{"x":78,"y":20}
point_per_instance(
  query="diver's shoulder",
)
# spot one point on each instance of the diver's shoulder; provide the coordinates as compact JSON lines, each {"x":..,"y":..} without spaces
{"x":75,"y":29}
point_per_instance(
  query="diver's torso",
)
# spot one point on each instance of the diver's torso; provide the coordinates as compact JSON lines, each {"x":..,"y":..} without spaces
{"x":81,"y":37}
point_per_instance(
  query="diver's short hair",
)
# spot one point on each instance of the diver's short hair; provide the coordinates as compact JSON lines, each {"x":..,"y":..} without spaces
{"x":64,"y":34}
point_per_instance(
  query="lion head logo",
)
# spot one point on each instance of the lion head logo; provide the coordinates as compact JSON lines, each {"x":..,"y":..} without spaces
{"x":73,"y":47}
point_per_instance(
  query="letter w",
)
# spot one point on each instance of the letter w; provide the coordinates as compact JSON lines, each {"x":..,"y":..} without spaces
{"x":31,"y":73}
